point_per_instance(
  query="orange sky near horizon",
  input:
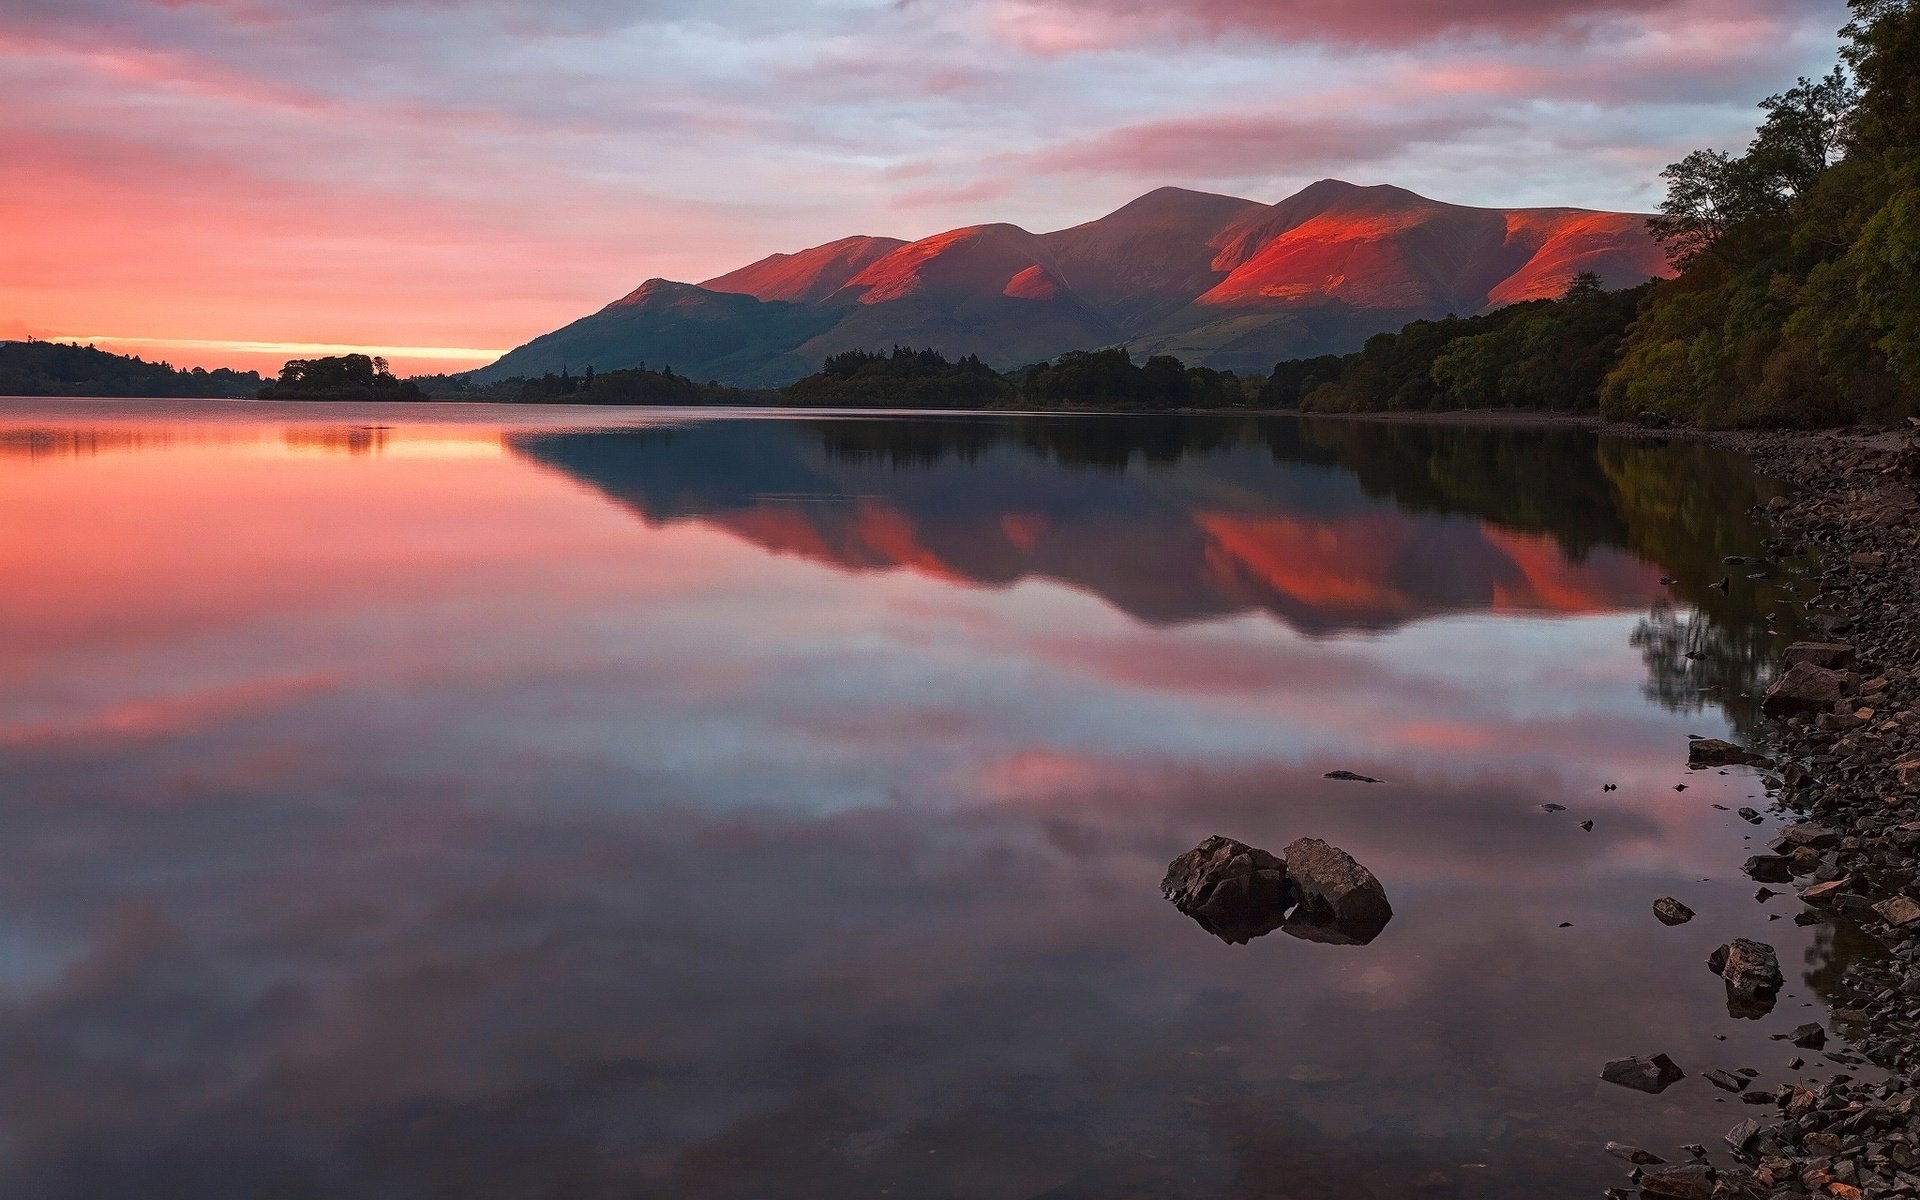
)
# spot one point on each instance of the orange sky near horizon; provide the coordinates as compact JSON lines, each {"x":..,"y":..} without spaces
{"x":239,"y":182}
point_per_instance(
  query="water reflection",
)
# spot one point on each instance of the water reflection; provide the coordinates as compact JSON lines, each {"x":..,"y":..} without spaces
{"x":1364,"y":527}
{"x":421,"y":824}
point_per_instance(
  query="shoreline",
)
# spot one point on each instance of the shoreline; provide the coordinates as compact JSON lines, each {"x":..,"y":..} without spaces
{"x":1851,"y":775}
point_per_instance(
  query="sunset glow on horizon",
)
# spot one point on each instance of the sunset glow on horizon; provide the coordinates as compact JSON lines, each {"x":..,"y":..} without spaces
{"x":239,"y":182}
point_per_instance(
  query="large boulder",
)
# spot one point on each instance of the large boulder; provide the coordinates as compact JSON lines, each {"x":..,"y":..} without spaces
{"x":1235,"y":891}
{"x":1239,"y":892}
{"x":1751,"y":972}
{"x":1834,"y":656}
{"x":1337,"y":894}
{"x":1807,"y":690}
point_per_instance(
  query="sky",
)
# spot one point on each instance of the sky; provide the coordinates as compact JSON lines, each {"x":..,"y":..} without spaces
{"x":237,"y":182}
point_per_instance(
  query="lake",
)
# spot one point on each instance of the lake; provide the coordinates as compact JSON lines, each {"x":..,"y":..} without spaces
{"x":479,"y":802}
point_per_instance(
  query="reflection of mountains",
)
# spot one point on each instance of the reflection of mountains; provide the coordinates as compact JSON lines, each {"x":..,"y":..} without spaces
{"x":1328,"y":527}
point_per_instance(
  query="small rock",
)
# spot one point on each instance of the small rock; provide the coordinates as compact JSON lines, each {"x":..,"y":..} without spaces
{"x":1671,"y":911}
{"x":1694,"y":1181}
{"x":1751,"y":972}
{"x":1907,"y":771}
{"x":1898,"y":911}
{"x":1741,"y":1136}
{"x":1654,"y":1075}
{"x":1634,"y":1154}
{"x":1811,"y":1036}
{"x":1553,"y":808}
{"x":1750,"y":815}
{"x":1769,"y":868}
{"x":1725,"y":1080}
{"x":1350,"y":777}
{"x":1806,"y":833}
{"x":1712,"y":752}
{"x":1826,"y":893}
{"x":1587,"y":825}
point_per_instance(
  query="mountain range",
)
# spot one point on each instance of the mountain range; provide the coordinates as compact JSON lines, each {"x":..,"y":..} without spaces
{"x":1218,"y":281}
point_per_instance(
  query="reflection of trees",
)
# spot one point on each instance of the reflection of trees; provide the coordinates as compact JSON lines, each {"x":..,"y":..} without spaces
{"x":1692,"y":659}
{"x":1679,"y":505}
{"x":1838,"y":944}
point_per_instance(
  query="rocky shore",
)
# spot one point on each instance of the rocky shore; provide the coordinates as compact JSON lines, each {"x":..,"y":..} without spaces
{"x":1845,"y":728}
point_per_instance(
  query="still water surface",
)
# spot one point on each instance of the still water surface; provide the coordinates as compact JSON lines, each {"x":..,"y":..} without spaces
{"x":480,"y":803}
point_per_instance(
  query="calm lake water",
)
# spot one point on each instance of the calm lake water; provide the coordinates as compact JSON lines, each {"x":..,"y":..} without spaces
{"x":483,"y":802}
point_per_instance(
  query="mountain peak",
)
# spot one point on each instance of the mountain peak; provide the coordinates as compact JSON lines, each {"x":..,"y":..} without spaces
{"x":1217,"y":280}
{"x":809,"y":276}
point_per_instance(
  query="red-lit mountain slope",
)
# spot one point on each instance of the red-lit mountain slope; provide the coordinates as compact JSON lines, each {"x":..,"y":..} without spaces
{"x":1214,"y":279}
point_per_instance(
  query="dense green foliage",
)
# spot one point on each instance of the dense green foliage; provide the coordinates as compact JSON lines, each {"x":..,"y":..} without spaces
{"x":1543,"y":354}
{"x":637,"y":385}
{"x":341,"y":377}
{"x":1111,"y":379}
{"x":1798,"y":301}
{"x":1296,"y":379}
{"x":906,"y":378}
{"x":1106,"y":379}
{"x":63,"y":369}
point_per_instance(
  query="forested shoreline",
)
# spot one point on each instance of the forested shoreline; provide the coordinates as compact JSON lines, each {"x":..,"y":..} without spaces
{"x":1796,"y":304}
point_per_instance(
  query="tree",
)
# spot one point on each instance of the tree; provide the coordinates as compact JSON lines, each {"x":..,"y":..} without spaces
{"x":1804,"y":133}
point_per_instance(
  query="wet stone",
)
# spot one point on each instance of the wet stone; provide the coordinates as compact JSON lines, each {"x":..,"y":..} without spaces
{"x":1806,"y":690}
{"x":1694,"y":1181}
{"x":1350,"y":777}
{"x":1671,"y":911}
{"x":1751,"y":972}
{"x":1239,"y":892}
{"x":1712,"y":752}
{"x":1653,"y":1075}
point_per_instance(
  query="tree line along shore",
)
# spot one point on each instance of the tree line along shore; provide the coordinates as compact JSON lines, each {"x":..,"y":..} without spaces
{"x":1795,"y":304}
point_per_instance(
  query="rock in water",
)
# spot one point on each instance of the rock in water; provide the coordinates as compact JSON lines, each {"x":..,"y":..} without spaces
{"x":1238,"y":892}
{"x":1691,"y":1182}
{"x":1751,"y":972}
{"x":1806,"y":690}
{"x":1654,"y":1075}
{"x":1350,"y":777}
{"x":1337,"y":894}
{"x":1806,"y":833}
{"x":1235,"y":891}
{"x":1712,"y":752}
{"x":1671,"y":911}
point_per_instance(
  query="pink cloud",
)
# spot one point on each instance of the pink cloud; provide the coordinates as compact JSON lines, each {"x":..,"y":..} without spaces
{"x":1068,"y":26}
{"x":1227,"y":145}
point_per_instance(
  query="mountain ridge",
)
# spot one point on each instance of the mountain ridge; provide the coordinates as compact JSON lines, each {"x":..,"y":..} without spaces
{"x":1219,"y":280}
